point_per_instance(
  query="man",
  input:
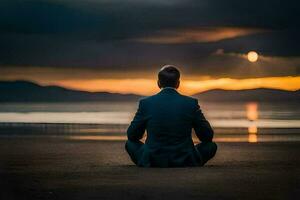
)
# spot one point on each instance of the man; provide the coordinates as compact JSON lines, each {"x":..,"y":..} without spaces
{"x":169,"y":117}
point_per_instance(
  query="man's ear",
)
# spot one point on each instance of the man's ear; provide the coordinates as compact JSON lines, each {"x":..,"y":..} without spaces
{"x":178,"y":83}
{"x":158,"y":83}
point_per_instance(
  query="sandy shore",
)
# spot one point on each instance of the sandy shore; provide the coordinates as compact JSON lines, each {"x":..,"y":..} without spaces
{"x":55,"y":168}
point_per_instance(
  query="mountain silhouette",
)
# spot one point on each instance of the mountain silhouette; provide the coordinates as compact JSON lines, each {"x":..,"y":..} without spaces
{"x":25,"y":91}
{"x":259,"y":95}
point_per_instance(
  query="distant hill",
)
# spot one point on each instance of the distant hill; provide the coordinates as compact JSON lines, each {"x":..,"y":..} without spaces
{"x":260,"y":95}
{"x":24,"y":91}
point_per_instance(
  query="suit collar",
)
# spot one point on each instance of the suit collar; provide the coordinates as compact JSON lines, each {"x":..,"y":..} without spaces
{"x":168,"y":90}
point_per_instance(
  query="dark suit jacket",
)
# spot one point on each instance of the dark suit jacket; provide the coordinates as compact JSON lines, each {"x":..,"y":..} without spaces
{"x":168,"y":117}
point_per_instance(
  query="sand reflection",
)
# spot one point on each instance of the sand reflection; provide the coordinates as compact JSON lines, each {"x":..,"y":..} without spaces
{"x":98,"y":137}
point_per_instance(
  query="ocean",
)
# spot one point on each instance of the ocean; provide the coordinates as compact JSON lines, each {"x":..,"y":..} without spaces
{"x":232,"y":122}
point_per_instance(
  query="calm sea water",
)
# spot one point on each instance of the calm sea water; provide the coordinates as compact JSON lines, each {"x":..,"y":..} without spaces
{"x":242,"y":121}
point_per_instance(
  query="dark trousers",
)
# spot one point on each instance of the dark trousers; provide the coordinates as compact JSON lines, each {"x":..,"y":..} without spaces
{"x":207,"y":150}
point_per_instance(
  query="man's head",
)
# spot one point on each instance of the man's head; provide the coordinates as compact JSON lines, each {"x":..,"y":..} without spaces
{"x":168,"y":76}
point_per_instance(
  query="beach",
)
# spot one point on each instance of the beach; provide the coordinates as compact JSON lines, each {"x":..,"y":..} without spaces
{"x":78,"y":78}
{"x":33,"y":167}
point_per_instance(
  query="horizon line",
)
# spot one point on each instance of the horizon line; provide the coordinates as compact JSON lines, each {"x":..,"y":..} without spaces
{"x":132,"y":93}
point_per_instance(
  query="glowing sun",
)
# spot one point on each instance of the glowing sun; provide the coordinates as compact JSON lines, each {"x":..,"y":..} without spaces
{"x":252,"y":56}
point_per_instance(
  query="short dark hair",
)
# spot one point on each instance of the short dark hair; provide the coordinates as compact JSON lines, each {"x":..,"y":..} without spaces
{"x":168,"y":76}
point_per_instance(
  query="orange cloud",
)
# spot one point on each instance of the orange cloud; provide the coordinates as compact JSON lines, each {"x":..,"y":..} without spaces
{"x":189,"y":87}
{"x":211,"y":34}
{"x":284,"y":83}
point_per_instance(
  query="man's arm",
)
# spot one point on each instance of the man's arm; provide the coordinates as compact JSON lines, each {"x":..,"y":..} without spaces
{"x":201,"y":126}
{"x":137,"y":127}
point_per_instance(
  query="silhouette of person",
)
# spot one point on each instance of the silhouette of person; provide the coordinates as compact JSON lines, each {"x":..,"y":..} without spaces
{"x":169,"y":117}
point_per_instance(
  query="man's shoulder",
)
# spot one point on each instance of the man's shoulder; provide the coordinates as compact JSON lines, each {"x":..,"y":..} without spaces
{"x":147,"y":98}
{"x":189,"y":99}
{"x":180,"y":96}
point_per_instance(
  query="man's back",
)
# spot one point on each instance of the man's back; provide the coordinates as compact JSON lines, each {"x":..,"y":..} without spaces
{"x":168,"y":117}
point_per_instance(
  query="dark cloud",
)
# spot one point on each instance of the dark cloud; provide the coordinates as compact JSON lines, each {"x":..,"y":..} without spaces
{"x":101,"y":34}
{"x":138,"y":17}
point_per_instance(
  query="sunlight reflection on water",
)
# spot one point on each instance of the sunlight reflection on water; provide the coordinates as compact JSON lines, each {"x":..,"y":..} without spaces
{"x":233,"y":122}
{"x":252,"y":115}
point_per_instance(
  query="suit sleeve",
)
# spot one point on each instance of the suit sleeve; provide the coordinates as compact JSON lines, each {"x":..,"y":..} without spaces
{"x":137,"y":127}
{"x":201,"y":126}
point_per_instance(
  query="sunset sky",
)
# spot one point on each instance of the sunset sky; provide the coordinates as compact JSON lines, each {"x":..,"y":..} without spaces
{"x":119,"y":46}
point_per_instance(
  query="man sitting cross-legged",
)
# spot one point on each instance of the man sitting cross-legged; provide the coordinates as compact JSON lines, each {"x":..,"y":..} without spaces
{"x":169,"y":117}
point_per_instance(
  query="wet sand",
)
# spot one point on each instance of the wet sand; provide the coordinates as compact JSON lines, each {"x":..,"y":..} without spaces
{"x":56,"y":168}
